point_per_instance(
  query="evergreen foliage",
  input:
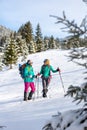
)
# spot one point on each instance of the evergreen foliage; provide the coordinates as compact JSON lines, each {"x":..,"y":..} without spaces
{"x":52,"y":44}
{"x":46,"y":43}
{"x":79,"y":93}
{"x":32,"y":47}
{"x":1,"y":64}
{"x":77,"y":55}
{"x":27,"y":32}
{"x":28,"y":43}
{"x":65,"y":121}
{"x":39,"y":39}
{"x":74,"y":30}
{"x":57,"y":43}
{"x":21,"y":47}
{"x":3,"y":41}
{"x":10,"y":54}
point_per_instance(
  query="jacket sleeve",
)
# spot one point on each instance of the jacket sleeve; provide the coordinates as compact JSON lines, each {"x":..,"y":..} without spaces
{"x":33,"y":75}
{"x":51,"y":68}
{"x":41,"y":70}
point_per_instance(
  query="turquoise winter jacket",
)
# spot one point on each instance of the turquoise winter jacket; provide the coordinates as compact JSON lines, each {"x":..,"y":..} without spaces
{"x":46,"y":69}
{"x":28,"y":74}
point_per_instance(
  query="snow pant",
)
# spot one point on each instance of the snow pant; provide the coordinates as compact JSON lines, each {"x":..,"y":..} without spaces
{"x":45,"y":83}
{"x":27,"y":85}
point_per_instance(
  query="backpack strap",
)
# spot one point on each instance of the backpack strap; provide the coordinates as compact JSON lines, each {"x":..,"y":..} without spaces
{"x":30,"y":68}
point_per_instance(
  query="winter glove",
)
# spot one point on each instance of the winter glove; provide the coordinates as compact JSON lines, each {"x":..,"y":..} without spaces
{"x":37,"y":75}
{"x":58,"y":69}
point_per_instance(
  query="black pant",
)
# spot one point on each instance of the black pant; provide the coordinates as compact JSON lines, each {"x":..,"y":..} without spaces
{"x":45,"y":83}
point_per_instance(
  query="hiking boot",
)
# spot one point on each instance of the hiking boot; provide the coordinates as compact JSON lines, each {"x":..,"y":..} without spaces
{"x":30,"y":95}
{"x":44,"y":95}
{"x":45,"y":92}
{"x":25,"y":96}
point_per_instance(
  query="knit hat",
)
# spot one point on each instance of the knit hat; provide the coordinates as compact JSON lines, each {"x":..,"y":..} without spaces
{"x":29,"y":62}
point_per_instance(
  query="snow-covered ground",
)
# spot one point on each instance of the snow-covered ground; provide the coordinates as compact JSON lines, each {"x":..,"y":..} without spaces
{"x":15,"y":114}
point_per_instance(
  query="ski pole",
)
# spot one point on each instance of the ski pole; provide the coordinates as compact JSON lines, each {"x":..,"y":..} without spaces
{"x":38,"y":88}
{"x":34,"y":92}
{"x":61,"y":81}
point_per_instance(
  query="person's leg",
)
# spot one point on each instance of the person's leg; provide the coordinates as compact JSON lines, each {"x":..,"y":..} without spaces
{"x":25,"y":96}
{"x":26,"y":85}
{"x":32,"y":86}
{"x":44,"y":87}
{"x":47,"y":82}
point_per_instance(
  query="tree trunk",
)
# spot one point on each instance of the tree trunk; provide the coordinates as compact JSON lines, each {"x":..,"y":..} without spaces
{"x":10,"y":66}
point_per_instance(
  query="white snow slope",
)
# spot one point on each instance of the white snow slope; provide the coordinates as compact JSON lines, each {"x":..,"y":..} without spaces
{"x":15,"y":114}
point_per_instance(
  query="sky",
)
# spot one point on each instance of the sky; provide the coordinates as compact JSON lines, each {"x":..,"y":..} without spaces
{"x":15,"y":114}
{"x":14,"y":13}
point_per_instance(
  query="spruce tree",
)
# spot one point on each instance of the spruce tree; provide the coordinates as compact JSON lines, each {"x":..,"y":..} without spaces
{"x":77,"y":55}
{"x":57,"y":42}
{"x":2,"y":41}
{"x":39,"y":39}
{"x":27,"y":32}
{"x":46,"y":43}
{"x":10,"y":54}
{"x":1,"y":64}
{"x":52,"y":44}
{"x":21,"y":47}
{"x":32,"y":47}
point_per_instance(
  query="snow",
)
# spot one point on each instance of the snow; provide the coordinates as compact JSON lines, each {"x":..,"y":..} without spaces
{"x":16,"y":114}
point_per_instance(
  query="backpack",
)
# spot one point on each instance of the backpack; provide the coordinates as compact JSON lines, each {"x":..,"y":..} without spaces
{"x":21,"y":69}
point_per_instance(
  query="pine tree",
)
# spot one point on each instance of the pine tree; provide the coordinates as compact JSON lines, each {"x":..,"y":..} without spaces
{"x":39,"y":39}
{"x":3,"y":41}
{"x":57,"y":42}
{"x":10,"y":54}
{"x":32,"y":47}
{"x":52,"y":44}
{"x":1,"y":64}
{"x":46,"y":43}
{"x":21,"y":47}
{"x":79,"y":93}
{"x":27,"y":32}
{"x":77,"y":55}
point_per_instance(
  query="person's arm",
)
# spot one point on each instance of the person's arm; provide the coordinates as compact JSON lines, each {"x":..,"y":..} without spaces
{"x":41,"y":70}
{"x":33,"y":75}
{"x":54,"y":71}
{"x":38,"y":74}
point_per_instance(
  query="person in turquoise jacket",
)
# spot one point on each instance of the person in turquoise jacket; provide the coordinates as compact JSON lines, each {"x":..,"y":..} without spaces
{"x":29,"y":80}
{"x":45,"y":73}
